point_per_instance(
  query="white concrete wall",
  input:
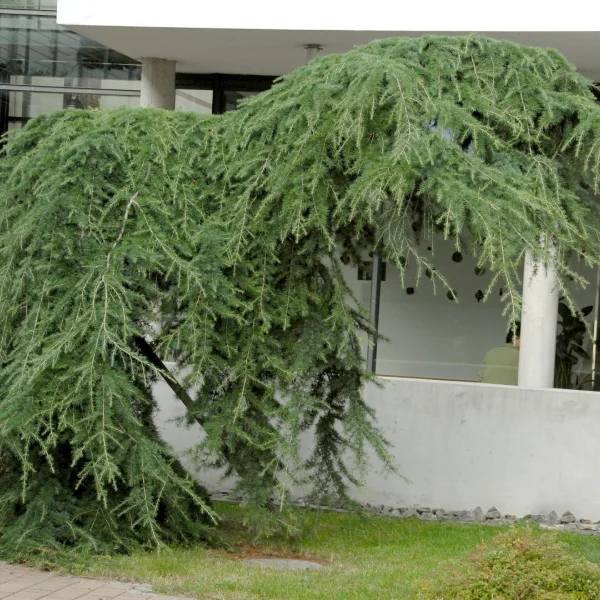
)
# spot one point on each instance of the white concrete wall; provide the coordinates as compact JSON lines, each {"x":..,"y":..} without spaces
{"x":182,"y":437}
{"x":464,"y":445}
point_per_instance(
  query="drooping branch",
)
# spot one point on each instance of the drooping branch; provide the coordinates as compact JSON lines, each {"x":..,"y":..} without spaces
{"x":150,"y":355}
{"x":237,"y":460}
{"x":235,"y":231}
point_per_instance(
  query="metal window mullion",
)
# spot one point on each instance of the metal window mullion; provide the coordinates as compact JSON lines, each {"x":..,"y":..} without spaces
{"x":596,"y":333}
{"x":374,"y":305}
{"x":28,"y":12}
{"x":4,"y":100}
{"x":55,"y":89}
{"x":375,"y":302}
{"x":218,"y":100}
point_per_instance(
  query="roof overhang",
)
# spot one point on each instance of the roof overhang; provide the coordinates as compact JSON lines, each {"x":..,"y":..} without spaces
{"x":267,"y":37}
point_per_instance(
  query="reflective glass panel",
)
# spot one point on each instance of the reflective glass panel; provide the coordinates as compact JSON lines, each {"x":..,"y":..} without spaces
{"x":233,"y":98}
{"x":36,"y":46}
{"x":32,"y":4}
{"x":199,"y":101}
{"x":457,"y":334}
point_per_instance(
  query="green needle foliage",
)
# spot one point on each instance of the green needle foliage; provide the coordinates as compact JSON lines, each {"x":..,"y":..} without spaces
{"x":132,"y":237}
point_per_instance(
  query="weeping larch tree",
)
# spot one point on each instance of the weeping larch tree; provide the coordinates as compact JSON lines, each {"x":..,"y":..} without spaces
{"x":133,"y":237}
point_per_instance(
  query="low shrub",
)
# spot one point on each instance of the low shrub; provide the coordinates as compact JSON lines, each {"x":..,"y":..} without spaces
{"x":518,"y":565}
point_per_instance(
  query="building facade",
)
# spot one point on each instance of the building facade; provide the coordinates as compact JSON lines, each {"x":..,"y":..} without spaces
{"x":200,"y":57}
{"x":45,"y":67}
{"x":206,"y":58}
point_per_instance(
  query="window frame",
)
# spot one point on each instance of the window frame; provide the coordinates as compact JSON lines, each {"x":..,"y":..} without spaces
{"x":220,"y":83}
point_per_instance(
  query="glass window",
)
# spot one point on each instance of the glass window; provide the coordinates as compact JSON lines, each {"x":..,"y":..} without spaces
{"x":32,"y":4}
{"x":233,"y":98}
{"x":194,"y":100}
{"x":32,"y":104}
{"x":29,"y":104}
{"x":432,"y":336}
{"x":437,"y":333}
{"x":38,"y":46}
{"x":38,"y":53}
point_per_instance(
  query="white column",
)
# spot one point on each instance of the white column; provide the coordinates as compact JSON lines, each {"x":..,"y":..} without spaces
{"x":158,"y":83}
{"x":538,"y":325}
{"x":312,"y":51}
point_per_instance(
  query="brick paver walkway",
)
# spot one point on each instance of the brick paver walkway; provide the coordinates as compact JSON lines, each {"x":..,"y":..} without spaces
{"x":23,"y":583}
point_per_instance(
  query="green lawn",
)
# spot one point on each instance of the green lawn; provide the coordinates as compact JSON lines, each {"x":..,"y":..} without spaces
{"x":368,"y":558}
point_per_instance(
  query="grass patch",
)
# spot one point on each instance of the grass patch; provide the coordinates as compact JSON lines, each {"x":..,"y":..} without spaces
{"x":368,"y":558}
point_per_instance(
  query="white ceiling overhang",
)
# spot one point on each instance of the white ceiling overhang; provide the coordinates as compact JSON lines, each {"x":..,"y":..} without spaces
{"x":266,"y":37}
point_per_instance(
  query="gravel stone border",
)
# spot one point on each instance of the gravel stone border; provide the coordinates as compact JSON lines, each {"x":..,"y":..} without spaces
{"x":493,"y":517}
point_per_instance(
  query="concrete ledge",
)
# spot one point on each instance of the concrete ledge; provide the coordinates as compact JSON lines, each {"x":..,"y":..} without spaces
{"x":465,"y":444}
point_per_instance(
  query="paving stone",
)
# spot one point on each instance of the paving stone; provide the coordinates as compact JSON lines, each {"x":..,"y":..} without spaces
{"x":120,"y":585}
{"x":66,"y":594}
{"x":285,"y":564}
{"x":19,"y":596}
{"x":107,"y":592}
{"x":32,"y":594}
{"x":15,"y":585}
{"x":53,"y":583}
{"x":13,"y":570}
{"x":87,"y":585}
{"x":131,"y":595}
{"x":23,"y":583}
